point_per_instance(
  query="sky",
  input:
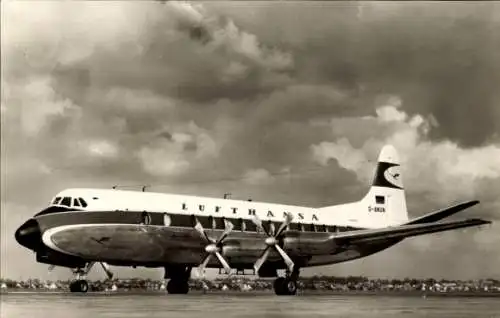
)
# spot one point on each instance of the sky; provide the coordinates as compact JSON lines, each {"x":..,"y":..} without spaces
{"x":286,"y":102}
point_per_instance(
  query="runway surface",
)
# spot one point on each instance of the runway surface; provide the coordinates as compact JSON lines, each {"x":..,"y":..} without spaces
{"x":64,"y":305}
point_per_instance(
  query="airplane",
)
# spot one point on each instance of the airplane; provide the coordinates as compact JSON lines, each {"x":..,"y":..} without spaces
{"x":84,"y":227}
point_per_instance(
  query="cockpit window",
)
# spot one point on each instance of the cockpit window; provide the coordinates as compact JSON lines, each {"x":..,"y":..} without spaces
{"x":82,"y":202}
{"x":76,"y":202}
{"x":66,"y":201}
{"x":56,"y":200}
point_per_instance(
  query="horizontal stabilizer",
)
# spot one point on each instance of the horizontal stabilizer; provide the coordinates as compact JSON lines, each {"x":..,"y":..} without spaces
{"x":443,"y":213}
{"x":401,"y":232}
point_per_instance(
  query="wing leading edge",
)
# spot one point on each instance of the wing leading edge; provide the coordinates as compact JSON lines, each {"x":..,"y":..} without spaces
{"x":403,"y":231}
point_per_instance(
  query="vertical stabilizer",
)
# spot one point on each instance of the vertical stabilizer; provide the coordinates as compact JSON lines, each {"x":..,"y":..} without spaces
{"x":385,"y":202}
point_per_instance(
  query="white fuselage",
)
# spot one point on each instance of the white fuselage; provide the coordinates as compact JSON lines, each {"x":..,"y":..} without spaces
{"x":180,"y":242}
{"x":349,"y":214}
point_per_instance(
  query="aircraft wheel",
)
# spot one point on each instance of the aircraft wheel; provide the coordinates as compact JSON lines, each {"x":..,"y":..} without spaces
{"x":290,"y":286}
{"x":285,"y":286}
{"x":278,"y":286}
{"x":177,"y":287}
{"x":79,"y":286}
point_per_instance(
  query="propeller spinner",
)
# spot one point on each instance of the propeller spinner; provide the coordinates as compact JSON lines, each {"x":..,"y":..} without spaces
{"x":214,"y":247}
{"x":272,"y":242}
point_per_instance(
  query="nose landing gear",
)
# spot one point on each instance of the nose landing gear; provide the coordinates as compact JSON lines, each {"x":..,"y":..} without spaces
{"x":80,"y":285}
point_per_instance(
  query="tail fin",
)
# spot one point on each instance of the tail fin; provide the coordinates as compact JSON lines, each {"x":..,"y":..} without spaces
{"x":385,"y":202}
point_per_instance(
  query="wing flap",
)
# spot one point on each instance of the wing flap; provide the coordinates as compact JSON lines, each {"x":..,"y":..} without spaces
{"x":403,"y":231}
{"x":443,"y":213}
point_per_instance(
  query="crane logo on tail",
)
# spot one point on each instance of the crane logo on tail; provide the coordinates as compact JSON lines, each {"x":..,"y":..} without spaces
{"x":388,"y":175}
{"x":393,"y":176}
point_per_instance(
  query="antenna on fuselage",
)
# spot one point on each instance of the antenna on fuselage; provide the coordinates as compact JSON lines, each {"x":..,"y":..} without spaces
{"x":143,"y":186}
{"x":227,"y":195}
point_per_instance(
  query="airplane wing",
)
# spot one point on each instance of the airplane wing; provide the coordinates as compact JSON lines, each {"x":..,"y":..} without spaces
{"x":443,"y":213}
{"x":403,"y":231}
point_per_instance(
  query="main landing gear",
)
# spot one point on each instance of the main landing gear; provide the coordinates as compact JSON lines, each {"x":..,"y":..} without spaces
{"x":179,"y":277}
{"x":286,"y":285}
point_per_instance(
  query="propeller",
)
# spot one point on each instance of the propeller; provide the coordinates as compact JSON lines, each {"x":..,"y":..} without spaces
{"x":214,"y":246}
{"x":272,"y":242}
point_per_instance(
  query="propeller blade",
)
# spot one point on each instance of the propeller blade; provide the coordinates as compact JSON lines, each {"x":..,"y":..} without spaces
{"x":258,"y":223}
{"x":107,"y":270}
{"x":271,"y":228}
{"x":223,"y":262}
{"x":201,"y":268}
{"x":285,"y":224}
{"x":199,"y":228}
{"x":228,"y":225}
{"x":228,"y":228}
{"x":288,"y":261}
{"x":261,"y":260}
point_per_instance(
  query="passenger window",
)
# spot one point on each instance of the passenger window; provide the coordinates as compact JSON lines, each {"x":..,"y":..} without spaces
{"x":211,"y":222}
{"x":76,"y":202}
{"x":66,"y":201}
{"x":166,"y":219}
{"x":250,"y":226}
{"x":145,"y":218}
{"x":237,"y":224}
{"x":82,"y":202}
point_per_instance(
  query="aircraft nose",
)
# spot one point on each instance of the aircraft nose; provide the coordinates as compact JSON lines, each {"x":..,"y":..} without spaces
{"x":28,"y":235}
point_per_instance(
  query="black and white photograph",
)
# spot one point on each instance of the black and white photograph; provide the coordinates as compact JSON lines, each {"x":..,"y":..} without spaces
{"x":250,"y":159}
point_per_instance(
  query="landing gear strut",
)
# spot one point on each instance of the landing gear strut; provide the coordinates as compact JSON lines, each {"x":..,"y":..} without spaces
{"x":287,"y":285}
{"x":80,"y":285}
{"x":179,"y":277}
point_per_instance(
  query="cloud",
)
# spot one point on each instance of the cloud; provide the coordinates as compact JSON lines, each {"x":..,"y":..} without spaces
{"x":440,"y":63}
{"x":257,"y":176}
{"x":175,"y":154}
{"x":442,"y":164}
{"x":102,"y":148}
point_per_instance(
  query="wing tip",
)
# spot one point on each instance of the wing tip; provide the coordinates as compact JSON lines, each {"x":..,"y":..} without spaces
{"x":478,"y":221}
